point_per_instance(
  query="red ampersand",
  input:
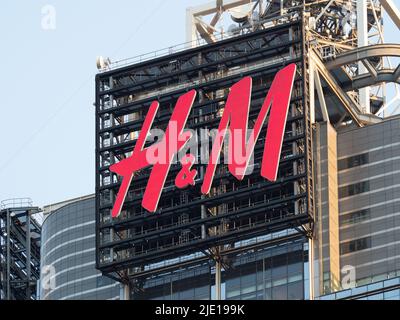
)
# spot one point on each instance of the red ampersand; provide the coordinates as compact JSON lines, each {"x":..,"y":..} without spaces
{"x":186,"y":176}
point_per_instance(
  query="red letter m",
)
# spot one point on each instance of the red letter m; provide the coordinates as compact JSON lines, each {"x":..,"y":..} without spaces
{"x":236,"y":116}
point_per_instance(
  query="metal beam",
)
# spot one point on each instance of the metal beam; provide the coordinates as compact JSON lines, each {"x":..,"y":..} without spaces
{"x":8,"y":259}
{"x":397,"y":73}
{"x":375,"y":51}
{"x":367,"y":80}
{"x":311,"y":94}
{"x":321,"y":96}
{"x":126,"y":291}
{"x":194,"y":14}
{"x":20,"y":253}
{"x":370,"y":68}
{"x":339,"y":123}
{"x":213,"y":7}
{"x":217,"y":279}
{"x":362,"y":32}
{"x":204,"y":31}
{"x":392,"y":11}
{"x":28,"y":255}
{"x":324,"y":11}
{"x":349,"y":104}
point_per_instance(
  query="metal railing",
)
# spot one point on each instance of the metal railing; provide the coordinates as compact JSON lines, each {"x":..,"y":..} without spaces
{"x":16,"y":203}
{"x":197,"y":43}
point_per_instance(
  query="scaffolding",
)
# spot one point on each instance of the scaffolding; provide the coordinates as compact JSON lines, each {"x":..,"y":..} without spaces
{"x":19,"y":249}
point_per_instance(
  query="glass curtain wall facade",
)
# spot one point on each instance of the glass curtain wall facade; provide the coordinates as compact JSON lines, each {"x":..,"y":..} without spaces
{"x":369,"y":204}
{"x":381,"y":290}
{"x":277,"y":272}
{"x":68,"y":248}
{"x":366,"y":218}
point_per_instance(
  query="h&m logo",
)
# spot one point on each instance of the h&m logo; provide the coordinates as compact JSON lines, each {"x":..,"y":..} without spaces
{"x":233,"y":124}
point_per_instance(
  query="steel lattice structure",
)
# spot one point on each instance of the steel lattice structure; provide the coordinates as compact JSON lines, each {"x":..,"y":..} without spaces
{"x":189,"y":213}
{"x":343,"y":68}
{"x":19,"y":250}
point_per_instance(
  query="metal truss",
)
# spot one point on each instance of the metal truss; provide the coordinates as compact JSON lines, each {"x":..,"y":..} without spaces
{"x":19,"y":250}
{"x":226,"y":258}
{"x":335,"y":27}
{"x":208,"y":22}
{"x":378,"y":73}
{"x":344,"y":67}
{"x":354,"y":33}
{"x":188,"y":222}
{"x":339,"y":80}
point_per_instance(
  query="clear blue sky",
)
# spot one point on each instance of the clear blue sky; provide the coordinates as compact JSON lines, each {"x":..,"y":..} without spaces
{"x":47,"y":85}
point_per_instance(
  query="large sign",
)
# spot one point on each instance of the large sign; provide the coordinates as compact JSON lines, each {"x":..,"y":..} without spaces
{"x":233,"y":125}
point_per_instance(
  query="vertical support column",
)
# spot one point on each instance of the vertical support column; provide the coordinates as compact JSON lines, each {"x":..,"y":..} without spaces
{"x":125,"y":294}
{"x":362,"y":31}
{"x":2,"y":261}
{"x":8,"y":259}
{"x":217,"y":279}
{"x":311,"y":82}
{"x":327,"y":242}
{"x":190,"y":28}
{"x":333,"y":211}
{"x":261,"y":7}
{"x":292,"y":51}
{"x":312,"y":90}
{"x":28,"y":255}
{"x":311,"y":275}
{"x":111,"y":83}
{"x":201,"y":100}
{"x":315,"y":252}
{"x":295,"y":169}
{"x":112,"y":121}
{"x":295,"y":146}
{"x":203,"y":212}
